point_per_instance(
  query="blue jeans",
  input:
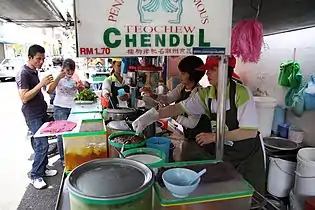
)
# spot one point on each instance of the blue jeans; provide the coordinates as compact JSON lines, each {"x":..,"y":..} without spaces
{"x":61,"y":113}
{"x":40,"y":146}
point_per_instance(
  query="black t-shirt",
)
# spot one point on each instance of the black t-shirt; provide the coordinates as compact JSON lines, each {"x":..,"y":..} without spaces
{"x":27,"y":78}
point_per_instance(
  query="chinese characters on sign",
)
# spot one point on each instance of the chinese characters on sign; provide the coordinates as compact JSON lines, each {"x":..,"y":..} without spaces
{"x":159,"y":51}
{"x":119,"y":28}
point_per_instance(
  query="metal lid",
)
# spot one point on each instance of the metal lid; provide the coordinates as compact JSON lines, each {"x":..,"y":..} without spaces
{"x":118,"y":125}
{"x":121,"y":111}
{"x":280,"y":143}
{"x":110,"y":179}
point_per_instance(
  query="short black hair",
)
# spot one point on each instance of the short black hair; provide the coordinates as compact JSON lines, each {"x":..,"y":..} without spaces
{"x":69,"y":63}
{"x":32,"y":50}
{"x":230,"y":72}
{"x":189,"y":64}
{"x":109,"y":60}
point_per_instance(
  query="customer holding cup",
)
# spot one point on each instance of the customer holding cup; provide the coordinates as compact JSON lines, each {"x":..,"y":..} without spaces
{"x":34,"y":109}
{"x":66,"y":86}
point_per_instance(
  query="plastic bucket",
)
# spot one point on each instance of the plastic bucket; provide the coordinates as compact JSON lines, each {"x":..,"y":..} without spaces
{"x":296,"y":135}
{"x":305,"y":173}
{"x":265,"y":108}
{"x":306,"y":162}
{"x":280,"y":177}
{"x":112,"y":145}
{"x":160,"y":143}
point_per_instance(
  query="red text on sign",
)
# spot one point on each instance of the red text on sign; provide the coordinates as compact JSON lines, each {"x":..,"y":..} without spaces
{"x":159,"y":29}
{"x":202,"y":11}
{"x":114,"y":10}
{"x":94,"y":51}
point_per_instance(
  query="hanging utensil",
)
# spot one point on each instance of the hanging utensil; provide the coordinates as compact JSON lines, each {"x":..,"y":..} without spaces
{"x":110,"y":100}
{"x":123,"y":147}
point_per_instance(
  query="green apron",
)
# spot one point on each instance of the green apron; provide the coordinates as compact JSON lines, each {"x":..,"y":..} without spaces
{"x":204,"y":125}
{"x":246,"y":155}
{"x":114,"y":93}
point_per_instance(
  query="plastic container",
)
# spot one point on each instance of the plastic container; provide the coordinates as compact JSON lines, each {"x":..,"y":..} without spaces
{"x":280,"y":177}
{"x":118,"y":146}
{"x":305,"y":173}
{"x":121,"y":92}
{"x":160,"y":143}
{"x":278,"y":119}
{"x":265,"y":108}
{"x":148,"y":156}
{"x":89,"y":144}
{"x":284,"y":130}
{"x":111,"y":184}
{"x":296,"y":135}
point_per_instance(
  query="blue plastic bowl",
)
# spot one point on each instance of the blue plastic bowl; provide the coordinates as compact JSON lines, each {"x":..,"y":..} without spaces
{"x":176,"y":179}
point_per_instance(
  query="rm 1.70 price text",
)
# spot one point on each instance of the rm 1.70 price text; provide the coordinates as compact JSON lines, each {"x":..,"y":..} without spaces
{"x":94,"y":51}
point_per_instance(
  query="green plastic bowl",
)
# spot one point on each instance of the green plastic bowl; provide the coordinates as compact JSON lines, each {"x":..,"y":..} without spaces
{"x":147,"y":151}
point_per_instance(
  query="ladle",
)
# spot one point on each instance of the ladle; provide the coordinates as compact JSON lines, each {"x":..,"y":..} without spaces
{"x":120,"y":154}
{"x":202,"y":172}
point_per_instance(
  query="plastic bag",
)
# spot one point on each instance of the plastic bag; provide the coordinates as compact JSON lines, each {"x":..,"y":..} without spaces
{"x":295,"y":100}
{"x":309,"y":94}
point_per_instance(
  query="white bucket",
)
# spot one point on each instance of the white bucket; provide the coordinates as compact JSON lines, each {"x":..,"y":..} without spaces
{"x":266,"y":109}
{"x":305,"y":173}
{"x":280,"y":177}
{"x":306,"y":162}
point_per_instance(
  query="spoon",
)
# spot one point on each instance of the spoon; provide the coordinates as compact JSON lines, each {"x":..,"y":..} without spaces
{"x":202,"y":172}
{"x":120,"y":154}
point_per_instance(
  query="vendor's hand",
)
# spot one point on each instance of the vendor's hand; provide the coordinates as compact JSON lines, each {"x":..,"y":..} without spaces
{"x":61,"y":75}
{"x":124,"y":97}
{"x":47,"y":80}
{"x":144,"y":120}
{"x":107,"y":95}
{"x":161,"y":105}
{"x":205,"y":138}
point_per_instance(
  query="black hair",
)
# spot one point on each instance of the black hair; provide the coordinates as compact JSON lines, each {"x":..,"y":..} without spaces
{"x":57,"y":61}
{"x":34,"y":49}
{"x":113,"y":70}
{"x":230,"y":72}
{"x":69,"y":63}
{"x":189,"y":64}
{"x":109,"y":60}
{"x":87,"y":85}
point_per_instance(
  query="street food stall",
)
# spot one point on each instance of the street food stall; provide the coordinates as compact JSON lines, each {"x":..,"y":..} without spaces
{"x":138,"y":180}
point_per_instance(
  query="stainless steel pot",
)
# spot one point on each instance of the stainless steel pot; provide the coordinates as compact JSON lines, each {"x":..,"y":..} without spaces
{"x":120,"y":114}
{"x":106,"y":184}
{"x":117,"y":126}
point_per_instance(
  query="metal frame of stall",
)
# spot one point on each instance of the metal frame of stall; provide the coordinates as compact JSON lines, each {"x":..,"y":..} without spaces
{"x":222,"y":87}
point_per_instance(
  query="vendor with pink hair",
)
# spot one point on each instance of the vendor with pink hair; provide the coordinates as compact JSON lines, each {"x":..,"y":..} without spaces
{"x":242,"y":146}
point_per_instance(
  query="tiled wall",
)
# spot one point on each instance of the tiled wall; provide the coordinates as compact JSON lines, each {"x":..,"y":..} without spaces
{"x":298,"y":45}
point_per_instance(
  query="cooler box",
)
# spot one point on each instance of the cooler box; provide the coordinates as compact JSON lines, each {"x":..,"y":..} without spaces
{"x":88,"y":144}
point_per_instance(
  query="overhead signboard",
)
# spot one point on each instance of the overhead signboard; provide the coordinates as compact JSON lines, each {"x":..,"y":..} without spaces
{"x":120,"y":28}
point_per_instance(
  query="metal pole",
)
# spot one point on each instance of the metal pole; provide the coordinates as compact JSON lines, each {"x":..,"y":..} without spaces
{"x":221,"y":97}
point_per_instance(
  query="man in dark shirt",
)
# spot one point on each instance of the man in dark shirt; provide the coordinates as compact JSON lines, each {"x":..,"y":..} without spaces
{"x":34,"y":109}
